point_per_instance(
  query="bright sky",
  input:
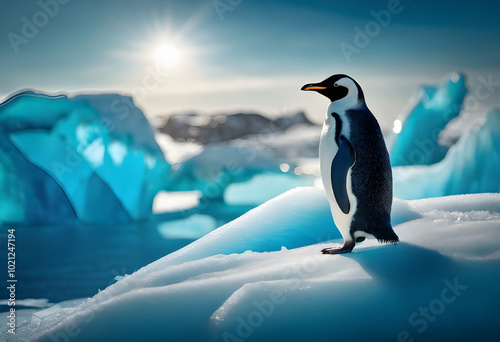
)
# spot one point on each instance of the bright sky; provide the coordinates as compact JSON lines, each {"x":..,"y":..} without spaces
{"x":254,"y":55}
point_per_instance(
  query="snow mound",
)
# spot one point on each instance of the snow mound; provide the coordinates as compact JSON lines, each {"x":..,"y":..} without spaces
{"x":471,"y":166}
{"x":91,"y":157}
{"x":417,"y":143}
{"x":262,"y":277}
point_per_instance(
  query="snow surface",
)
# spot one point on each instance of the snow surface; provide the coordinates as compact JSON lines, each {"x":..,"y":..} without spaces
{"x":262,"y":277}
{"x":166,"y":202}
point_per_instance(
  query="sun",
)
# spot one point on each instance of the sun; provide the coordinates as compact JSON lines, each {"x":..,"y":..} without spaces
{"x":167,"y":55}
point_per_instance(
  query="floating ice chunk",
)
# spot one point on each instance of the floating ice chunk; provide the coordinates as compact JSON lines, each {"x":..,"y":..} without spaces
{"x":220,"y":165}
{"x":193,"y":227}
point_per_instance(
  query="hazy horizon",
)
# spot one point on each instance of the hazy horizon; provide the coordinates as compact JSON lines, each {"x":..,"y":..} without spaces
{"x":250,"y":56}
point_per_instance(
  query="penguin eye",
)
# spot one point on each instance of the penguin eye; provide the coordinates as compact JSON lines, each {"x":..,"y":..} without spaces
{"x":335,"y":85}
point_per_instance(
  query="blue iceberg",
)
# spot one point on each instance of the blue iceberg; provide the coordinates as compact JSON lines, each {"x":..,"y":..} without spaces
{"x":220,"y":165}
{"x":471,"y":166}
{"x":91,"y":158}
{"x":417,"y":140}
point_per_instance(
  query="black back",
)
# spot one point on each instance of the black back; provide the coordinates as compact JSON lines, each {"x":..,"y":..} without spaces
{"x":371,"y":177}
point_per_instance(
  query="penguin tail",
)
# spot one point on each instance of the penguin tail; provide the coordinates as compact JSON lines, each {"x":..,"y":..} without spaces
{"x":388,"y":236}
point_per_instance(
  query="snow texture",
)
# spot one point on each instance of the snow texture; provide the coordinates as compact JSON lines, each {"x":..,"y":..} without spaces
{"x":429,"y":113}
{"x":91,"y":157}
{"x":262,"y":278}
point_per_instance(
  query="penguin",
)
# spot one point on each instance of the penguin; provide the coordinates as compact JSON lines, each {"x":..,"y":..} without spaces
{"x":355,"y":165}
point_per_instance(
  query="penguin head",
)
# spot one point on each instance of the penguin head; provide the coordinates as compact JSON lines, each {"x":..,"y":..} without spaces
{"x":337,"y":87}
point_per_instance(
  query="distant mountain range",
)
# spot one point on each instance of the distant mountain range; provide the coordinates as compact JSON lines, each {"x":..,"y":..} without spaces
{"x":206,"y":129}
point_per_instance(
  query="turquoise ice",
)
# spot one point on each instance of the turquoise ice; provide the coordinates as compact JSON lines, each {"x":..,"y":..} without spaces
{"x":90,"y":158}
{"x":417,"y":143}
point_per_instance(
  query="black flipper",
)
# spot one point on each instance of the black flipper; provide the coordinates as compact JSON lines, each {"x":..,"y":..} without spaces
{"x":341,"y":163}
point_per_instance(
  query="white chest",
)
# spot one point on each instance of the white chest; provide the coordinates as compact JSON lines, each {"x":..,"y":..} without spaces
{"x":328,"y":148}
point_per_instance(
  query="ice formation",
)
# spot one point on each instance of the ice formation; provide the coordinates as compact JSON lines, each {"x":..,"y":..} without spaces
{"x":417,"y":141}
{"x":262,"y":277}
{"x":220,"y":165}
{"x":245,"y":171}
{"x":471,"y":166}
{"x":90,"y":157}
{"x":263,"y":187}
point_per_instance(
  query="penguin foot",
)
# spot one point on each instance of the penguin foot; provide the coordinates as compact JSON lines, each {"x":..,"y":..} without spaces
{"x":340,"y":250}
{"x":346,"y":248}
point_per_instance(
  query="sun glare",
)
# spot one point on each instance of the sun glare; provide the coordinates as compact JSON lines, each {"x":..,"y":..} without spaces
{"x":398,"y":125}
{"x":167,"y":55}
